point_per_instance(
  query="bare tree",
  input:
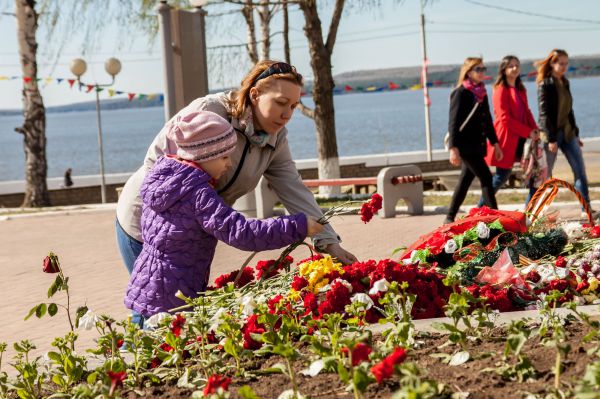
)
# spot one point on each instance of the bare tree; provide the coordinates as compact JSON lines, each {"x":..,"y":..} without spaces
{"x":34,"y":114}
{"x":248,"y":13}
{"x":322,"y":90}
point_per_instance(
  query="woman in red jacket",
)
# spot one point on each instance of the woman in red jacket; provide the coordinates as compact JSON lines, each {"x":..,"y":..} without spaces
{"x":514,"y":122}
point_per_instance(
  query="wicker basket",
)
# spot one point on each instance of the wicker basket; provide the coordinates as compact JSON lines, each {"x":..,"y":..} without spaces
{"x":544,"y":196}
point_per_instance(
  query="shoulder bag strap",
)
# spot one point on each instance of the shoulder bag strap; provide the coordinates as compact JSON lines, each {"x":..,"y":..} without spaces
{"x":468,"y":117}
{"x":239,"y":167}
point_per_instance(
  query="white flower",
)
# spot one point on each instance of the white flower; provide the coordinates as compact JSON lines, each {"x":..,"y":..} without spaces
{"x":362,"y":299}
{"x":450,"y":246}
{"x":314,"y":368}
{"x":216,"y":319}
{"x":379,"y":286}
{"x":483,"y":231}
{"x":289,"y":394}
{"x":573,"y":229}
{"x":88,"y":320}
{"x":343,"y":282}
{"x":248,"y":305}
{"x":154,"y":320}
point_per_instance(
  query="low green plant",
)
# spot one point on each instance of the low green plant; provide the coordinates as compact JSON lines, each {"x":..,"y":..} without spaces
{"x":70,"y":368}
{"x":552,"y":332}
{"x":522,"y":369}
{"x":29,"y":380}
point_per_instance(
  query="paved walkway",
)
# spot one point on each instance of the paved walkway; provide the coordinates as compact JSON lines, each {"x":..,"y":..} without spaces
{"x":85,"y":242}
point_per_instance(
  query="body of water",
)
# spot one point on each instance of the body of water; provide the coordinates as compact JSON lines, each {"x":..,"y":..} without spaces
{"x":369,"y":123}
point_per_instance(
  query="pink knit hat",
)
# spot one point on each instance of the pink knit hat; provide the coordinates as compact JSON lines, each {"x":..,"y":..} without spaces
{"x":201,"y":136}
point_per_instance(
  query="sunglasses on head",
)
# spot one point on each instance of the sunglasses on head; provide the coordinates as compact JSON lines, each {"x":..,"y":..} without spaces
{"x":277,"y":68}
{"x":480,"y":69}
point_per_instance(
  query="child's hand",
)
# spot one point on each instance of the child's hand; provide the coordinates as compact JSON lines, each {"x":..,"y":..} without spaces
{"x":313,"y":227}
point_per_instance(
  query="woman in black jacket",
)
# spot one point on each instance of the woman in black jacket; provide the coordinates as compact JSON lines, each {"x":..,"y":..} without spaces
{"x":557,"y":119}
{"x":469,"y":126}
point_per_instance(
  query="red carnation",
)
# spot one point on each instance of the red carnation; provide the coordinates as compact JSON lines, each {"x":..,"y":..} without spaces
{"x":299,"y":283}
{"x":336,"y":299}
{"x":385,"y":369}
{"x":252,"y":327}
{"x":177,"y":324}
{"x":246,"y":277}
{"x":116,"y":380}
{"x":533,"y":276}
{"x":561,"y":262}
{"x":376,"y":202}
{"x":272,"y":303}
{"x":270,"y":268}
{"x":51,"y":264}
{"x":583,"y":285}
{"x":166,"y":347}
{"x":155,"y":363}
{"x":360,"y":353}
{"x":310,"y":303}
{"x":215,"y":382}
{"x":366,"y":212}
{"x":595,"y":231}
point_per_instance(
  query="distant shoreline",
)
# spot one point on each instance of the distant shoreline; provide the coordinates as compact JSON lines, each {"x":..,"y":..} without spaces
{"x":403,"y":76}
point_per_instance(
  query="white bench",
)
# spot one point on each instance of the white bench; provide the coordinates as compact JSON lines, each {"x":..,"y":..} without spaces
{"x":393,"y":183}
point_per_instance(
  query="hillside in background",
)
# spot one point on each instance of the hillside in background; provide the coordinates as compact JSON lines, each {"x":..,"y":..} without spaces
{"x":403,"y":76}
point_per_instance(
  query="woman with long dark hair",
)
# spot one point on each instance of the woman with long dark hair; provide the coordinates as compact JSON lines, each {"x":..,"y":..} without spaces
{"x":557,"y":119}
{"x":470,"y":127}
{"x":513,"y":122}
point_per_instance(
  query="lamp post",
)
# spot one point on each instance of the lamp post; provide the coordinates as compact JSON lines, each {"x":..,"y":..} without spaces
{"x":112,"y":66}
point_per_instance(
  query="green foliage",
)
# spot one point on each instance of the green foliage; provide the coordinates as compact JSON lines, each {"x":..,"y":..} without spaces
{"x":29,"y":380}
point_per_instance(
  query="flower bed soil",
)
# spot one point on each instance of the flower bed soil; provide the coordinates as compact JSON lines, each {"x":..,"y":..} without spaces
{"x":467,"y":377}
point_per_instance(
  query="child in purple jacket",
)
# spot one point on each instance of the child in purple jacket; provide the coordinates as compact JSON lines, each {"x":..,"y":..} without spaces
{"x":183,"y":217}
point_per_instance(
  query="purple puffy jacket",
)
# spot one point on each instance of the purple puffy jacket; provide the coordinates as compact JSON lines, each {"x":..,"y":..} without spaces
{"x":182,"y":219}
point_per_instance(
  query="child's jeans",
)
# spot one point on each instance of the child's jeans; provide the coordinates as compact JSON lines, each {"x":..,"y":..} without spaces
{"x":130,"y":249}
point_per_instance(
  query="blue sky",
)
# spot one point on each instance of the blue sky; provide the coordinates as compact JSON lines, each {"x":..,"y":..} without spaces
{"x":380,"y":37}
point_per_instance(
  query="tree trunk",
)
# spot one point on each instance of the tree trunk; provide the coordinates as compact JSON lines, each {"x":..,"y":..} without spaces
{"x":248,"y":13}
{"x":34,"y":123}
{"x":265,"y":29}
{"x":286,"y":32}
{"x":324,"y":114}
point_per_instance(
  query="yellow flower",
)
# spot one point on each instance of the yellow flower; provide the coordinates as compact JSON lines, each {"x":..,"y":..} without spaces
{"x":314,"y":272}
{"x":594,"y":284}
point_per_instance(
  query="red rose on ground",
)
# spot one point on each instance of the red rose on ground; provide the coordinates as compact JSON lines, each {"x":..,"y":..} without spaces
{"x":360,"y":353}
{"x":215,"y":382}
{"x":385,"y":369}
{"x":51,"y":264}
{"x":366,"y":212}
{"x":558,"y":285}
{"x":561,"y":262}
{"x":177,"y":324}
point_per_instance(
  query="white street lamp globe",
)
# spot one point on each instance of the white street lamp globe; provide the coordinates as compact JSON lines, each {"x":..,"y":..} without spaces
{"x":78,"y":67}
{"x":112,"y":66}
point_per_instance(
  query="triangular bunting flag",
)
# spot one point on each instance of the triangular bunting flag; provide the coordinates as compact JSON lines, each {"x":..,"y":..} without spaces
{"x":38,"y":79}
{"x":89,"y":88}
{"x":48,"y":80}
{"x":393,"y":86}
{"x":119,"y":92}
{"x":141,"y":96}
{"x":161,"y":98}
{"x":71,"y":81}
{"x":58,"y":80}
{"x":348,"y":88}
{"x":26,"y":79}
{"x":130,"y":96}
{"x":4,"y":78}
{"x":151,"y":97}
{"x":111,"y":92}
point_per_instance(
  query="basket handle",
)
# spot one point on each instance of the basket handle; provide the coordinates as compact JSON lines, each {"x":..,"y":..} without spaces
{"x":543,"y":198}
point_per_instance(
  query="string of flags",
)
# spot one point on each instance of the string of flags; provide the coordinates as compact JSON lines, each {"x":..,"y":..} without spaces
{"x":88,"y":88}
{"x":390,"y":86}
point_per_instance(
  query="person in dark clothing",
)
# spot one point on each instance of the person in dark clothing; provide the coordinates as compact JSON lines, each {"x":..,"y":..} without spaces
{"x":68,"y":182}
{"x":470,"y":127}
{"x":557,"y":119}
